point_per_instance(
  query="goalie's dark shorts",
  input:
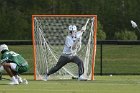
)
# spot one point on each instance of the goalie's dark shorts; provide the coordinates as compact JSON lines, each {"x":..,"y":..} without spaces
{"x":63,"y":60}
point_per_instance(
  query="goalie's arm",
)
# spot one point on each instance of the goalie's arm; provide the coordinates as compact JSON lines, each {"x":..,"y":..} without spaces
{"x":69,"y":43}
{"x":74,"y":46}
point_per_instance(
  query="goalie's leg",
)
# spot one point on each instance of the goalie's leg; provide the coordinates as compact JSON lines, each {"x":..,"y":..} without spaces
{"x":61,"y":62}
{"x":80,"y":65}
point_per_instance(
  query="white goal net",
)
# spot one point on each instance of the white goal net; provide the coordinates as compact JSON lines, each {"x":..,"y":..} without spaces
{"x":49,"y":33}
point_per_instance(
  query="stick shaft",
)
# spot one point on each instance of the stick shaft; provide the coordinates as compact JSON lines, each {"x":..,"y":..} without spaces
{"x":87,"y":22}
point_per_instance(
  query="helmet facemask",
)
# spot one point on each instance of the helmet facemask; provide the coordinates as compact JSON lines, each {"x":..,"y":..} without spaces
{"x":72,"y":30}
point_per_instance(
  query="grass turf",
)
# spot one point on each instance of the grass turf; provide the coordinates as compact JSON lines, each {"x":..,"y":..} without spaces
{"x":118,"y":59}
{"x":101,"y":84}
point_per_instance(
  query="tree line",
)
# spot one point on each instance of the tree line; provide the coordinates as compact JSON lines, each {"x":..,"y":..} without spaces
{"x":113,"y":16}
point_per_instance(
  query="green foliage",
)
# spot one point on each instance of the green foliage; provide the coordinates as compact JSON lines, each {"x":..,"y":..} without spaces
{"x":125,"y":35}
{"x":101,"y":35}
{"x":13,"y":23}
{"x":15,"y":15}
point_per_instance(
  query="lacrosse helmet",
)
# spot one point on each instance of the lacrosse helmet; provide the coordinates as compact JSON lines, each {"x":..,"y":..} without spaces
{"x":72,"y":28}
{"x":3,"y":47}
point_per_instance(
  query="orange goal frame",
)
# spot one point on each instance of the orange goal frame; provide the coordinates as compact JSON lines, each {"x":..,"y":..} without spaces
{"x":94,"y":46}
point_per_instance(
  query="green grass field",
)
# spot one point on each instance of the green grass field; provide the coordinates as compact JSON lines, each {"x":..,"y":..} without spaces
{"x":101,"y":84}
{"x":116,"y":59}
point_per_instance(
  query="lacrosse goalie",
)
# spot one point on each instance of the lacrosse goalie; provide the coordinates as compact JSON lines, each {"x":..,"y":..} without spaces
{"x":71,"y":47}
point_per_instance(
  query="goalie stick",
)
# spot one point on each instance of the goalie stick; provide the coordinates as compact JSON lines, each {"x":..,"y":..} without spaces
{"x":84,"y":27}
{"x":87,"y":22}
{"x":81,"y":32}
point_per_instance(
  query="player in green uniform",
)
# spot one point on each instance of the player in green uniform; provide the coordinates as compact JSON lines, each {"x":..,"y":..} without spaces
{"x":13,"y":63}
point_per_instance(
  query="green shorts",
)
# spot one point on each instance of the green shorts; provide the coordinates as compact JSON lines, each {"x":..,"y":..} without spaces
{"x":22,"y":69}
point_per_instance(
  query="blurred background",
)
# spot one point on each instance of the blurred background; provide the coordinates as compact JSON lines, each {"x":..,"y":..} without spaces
{"x":113,"y":16}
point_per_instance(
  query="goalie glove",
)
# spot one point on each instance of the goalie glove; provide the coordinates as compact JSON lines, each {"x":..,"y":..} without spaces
{"x":79,"y":34}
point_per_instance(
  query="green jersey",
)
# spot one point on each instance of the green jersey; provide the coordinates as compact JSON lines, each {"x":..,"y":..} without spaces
{"x":13,"y":57}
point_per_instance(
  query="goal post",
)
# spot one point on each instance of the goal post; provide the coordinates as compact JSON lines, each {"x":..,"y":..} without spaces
{"x":48,"y":36}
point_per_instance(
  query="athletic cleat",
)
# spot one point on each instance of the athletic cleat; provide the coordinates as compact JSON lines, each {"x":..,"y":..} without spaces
{"x":46,"y":78}
{"x":82,"y":78}
{"x":25,"y":81}
{"x":19,"y":79}
{"x":14,"y":82}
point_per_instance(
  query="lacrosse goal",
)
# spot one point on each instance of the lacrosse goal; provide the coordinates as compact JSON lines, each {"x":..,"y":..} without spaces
{"x":49,"y":33}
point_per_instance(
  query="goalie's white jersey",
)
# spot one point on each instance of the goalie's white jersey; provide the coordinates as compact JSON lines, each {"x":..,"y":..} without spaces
{"x":69,"y":42}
